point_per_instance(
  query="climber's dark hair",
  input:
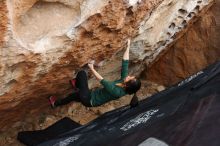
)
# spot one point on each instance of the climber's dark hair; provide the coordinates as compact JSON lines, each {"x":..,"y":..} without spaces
{"x":132,"y":86}
{"x":134,"y":101}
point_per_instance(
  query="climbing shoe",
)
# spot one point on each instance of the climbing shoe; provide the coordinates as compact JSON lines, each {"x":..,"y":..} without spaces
{"x":52,"y":100}
{"x":73,"y":83}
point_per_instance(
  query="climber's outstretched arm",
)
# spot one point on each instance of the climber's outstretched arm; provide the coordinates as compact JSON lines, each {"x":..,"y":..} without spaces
{"x":125,"y":61}
{"x":126,"y":54}
{"x":97,"y":75}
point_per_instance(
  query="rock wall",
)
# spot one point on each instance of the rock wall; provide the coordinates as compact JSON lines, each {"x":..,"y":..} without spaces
{"x":43,"y":43}
{"x":196,"y":49}
{"x":3,"y":22}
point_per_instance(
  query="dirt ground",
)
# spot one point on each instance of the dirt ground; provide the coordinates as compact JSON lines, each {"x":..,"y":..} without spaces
{"x":75,"y":111}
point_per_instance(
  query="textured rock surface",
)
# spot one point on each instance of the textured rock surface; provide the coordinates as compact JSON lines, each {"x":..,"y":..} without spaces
{"x":3,"y":22}
{"x":44,"y":42}
{"x":37,"y":60}
{"x":199,"y":47}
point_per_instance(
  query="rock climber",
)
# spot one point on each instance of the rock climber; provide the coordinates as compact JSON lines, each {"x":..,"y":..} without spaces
{"x":110,"y":90}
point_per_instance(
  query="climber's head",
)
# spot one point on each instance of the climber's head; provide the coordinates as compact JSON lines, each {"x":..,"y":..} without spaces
{"x":132,"y":84}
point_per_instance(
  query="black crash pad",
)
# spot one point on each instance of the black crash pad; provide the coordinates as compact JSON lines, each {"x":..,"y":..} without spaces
{"x":33,"y":138}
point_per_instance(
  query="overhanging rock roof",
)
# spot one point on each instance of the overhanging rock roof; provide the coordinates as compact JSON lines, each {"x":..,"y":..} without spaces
{"x":187,"y":114}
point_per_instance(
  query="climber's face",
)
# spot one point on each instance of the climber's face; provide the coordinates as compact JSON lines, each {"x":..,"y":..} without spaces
{"x":129,"y":78}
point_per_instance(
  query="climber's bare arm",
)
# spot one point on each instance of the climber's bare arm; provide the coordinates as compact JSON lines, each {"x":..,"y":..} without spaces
{"x":126,"y":54}
{"x":97,"y":75}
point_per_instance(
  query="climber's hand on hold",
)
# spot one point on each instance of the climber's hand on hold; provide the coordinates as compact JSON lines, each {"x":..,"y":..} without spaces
{"x":91,"y":66}
{"x":128,"y":43}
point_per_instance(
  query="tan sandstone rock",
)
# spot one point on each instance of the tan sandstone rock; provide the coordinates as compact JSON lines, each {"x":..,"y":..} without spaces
{"x":43,"y":43}
{"x":196,"y":49}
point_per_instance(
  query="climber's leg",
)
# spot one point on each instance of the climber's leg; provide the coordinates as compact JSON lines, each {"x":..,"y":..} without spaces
{"x":82,"y":85}
{"x":71,"y":97}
